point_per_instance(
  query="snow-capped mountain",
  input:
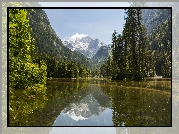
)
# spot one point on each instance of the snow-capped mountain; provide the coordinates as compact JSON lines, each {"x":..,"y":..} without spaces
{"x":84,"y":44}
{"x":84,"y":109}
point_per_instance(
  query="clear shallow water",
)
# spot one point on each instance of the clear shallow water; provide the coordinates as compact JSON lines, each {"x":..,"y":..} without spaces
{"x":68,"y":102}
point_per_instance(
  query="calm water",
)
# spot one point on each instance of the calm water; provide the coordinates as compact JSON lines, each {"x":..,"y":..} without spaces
{"x":67,"y":102}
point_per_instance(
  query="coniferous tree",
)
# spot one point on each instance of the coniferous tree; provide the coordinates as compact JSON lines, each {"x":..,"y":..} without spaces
{"x":129,"y":49}
{"x":118,"y":55}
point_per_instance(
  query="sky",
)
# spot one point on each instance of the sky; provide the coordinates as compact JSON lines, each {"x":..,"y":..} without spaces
{"x":97,"y":23}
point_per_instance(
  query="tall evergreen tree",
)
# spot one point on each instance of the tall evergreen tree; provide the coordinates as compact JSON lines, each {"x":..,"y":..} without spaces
{"x":135,"y":43}
{"x":118,"y":55}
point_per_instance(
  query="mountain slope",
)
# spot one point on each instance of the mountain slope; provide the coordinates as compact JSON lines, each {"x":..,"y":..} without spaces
{"x":158,"y":23}
{"x":102,"y":54}
{"x":47,"y":42}
{"x":151,"y":18}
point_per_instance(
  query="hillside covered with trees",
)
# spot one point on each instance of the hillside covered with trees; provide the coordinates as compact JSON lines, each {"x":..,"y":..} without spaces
{"x":37,"y":53}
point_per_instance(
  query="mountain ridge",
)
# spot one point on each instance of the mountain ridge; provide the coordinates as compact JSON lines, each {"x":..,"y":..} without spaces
{"x":47,"y":41}
{"x":83,"y":43}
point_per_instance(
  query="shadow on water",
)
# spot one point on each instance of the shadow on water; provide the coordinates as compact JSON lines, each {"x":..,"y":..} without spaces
{"x":72,"y":102}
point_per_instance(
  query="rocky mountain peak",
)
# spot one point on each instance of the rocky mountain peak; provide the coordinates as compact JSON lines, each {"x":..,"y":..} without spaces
{"x":84,"y":44}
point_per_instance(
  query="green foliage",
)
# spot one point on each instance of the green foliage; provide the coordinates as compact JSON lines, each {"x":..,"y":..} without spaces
{"x":135,"y":54}
{"x":48,"y":43}
{"x":22,"y":71}
{"x":101,"y":56}
{"x":62,"y":68}
{"x":160,"y":41}
{"x":61,"y":61}
{"x":109,"y":69}
{"x":128,"y":49}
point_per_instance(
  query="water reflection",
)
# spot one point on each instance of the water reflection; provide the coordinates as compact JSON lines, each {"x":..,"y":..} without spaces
{"x":139,"y":107}
{"x":100,"y":103}
{"x":84,"y":109}
{"x":23,"y":103}
{"x":89,"y":110}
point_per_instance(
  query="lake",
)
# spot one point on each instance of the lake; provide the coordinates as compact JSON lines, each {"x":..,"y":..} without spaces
{"x":72,"y":102}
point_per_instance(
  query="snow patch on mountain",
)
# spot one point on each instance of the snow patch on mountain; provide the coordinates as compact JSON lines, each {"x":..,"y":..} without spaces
{"x":84,"y":44}
{"x":77,"y":36}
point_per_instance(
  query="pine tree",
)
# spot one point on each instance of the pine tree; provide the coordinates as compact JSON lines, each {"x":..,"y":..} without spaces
{"x":118,"y":55}
{"x":134,"y":39}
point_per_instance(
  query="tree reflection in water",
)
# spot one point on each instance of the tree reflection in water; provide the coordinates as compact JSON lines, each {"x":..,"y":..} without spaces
{"x":139,"y":106}
{"x":95,"y":103}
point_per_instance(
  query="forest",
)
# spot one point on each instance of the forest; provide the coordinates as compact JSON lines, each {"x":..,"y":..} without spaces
{"x":37,"y":53}
{"x":136,"y":54}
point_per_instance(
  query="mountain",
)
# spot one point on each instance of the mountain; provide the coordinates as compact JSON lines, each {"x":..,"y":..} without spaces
{"x":158,"y":23}
{"x":84,"y":109}
{"x":47,"y":42}
{"x":84,"y":44}
{"x":151,"y":18}
{"x":102,"y":54}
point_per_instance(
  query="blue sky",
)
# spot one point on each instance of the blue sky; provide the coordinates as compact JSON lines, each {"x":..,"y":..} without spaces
{"x":98,"y":23}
